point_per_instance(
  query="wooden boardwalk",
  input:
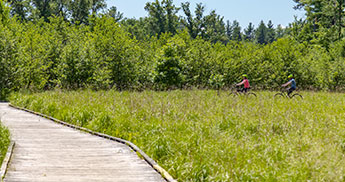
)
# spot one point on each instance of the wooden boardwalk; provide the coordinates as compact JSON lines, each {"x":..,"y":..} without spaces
{"x":46,"y":151}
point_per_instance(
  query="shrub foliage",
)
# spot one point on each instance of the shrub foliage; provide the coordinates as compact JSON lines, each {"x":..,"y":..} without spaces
{"x":42,"y":55}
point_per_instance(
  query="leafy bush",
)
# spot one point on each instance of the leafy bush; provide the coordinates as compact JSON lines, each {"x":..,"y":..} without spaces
{"x":169,"y":73}
{"x":103,"y":55}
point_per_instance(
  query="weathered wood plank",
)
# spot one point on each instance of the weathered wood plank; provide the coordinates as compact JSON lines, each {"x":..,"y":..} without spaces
{"x":46,"y":151}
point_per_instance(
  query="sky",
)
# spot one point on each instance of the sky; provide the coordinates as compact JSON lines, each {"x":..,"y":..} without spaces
{"x":244,"y":11}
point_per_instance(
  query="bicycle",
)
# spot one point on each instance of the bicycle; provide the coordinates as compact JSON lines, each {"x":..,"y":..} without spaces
{"x":238,"y":92}
{"x":283,"y":93}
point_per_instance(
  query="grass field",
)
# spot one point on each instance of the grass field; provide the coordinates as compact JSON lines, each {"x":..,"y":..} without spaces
{"x":198,"y":136}
{"x":4,"y":142}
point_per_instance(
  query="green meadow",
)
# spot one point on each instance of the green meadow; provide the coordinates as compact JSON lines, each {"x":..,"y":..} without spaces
{"x":199,"y":136}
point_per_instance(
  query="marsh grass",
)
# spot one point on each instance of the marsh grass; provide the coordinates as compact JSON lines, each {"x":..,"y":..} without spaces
{"x":199,"y":136}
{"x":4,"y":141}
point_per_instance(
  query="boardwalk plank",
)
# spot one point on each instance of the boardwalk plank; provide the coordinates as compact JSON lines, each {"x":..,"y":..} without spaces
{"x":46,"y":151}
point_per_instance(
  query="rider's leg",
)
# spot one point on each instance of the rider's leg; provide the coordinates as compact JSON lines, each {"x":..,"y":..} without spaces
{"x":290,"y":90}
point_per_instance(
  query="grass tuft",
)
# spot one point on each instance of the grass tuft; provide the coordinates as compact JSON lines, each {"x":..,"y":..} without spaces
{"x":4,"y":142}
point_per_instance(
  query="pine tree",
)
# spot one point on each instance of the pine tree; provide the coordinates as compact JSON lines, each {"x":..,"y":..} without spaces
{"x":249,"y":32}
{"x":114,"y":13}
{"x":327,"y":16}
{"x":236,"y":31}
{"x":214,"y":27}
{"x":280,"y":32}
{"x":261,"y":33}
{"x":271,"y":35}
{"x":229,"y":30}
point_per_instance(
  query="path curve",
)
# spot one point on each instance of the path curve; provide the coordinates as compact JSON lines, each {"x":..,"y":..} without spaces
{"x":46,"y":151}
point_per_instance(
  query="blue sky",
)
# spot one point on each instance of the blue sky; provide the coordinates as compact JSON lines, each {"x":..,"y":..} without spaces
{"x":244,"y":11}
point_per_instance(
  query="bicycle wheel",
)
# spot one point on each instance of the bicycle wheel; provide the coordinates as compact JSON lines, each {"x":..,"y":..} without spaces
{"x":233,"y":94}
{"x":279,"y":95}
{"x":251,"y":94}
{"x":297,"y":96}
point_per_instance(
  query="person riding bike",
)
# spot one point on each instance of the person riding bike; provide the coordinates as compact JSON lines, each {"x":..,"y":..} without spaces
{"x":291,"y":82}
{"x":244,"y":82}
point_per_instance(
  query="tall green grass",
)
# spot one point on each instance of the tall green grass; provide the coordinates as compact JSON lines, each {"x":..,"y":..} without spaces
{"x":199,"y":136}
{"x":4,"y":142}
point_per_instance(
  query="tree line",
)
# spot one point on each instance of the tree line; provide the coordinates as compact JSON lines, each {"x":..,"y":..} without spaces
{"x":162,"y":18}
{"x":324,"y":22}
{"x":103,"y":50}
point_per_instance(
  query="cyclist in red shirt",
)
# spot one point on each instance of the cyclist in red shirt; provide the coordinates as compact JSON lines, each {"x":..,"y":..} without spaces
{"x":244,"y":82}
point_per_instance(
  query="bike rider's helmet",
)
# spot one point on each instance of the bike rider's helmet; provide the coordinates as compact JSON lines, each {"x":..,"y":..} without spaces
{"x":245,"y":75}
{"x":290,"y":76}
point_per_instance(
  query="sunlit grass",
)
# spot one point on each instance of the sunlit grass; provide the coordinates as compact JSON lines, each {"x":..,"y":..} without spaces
{"x":4,"y":142}
{"x":199,"y":136}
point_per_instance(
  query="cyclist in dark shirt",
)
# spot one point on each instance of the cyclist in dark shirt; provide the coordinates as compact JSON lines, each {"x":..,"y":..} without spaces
{"x":291,"y":82}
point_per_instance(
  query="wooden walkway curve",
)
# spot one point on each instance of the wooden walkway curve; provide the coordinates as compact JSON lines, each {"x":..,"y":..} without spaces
{"x":46,"y":151}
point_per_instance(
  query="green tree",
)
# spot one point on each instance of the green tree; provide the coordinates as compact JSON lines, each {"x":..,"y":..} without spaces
{"x":249,"y":32}
{"x":138,"y":28}
{"x":43,"y":8}
{"x":114,"y":13}
{"x":195,"y":24}
{"x":81,"y":9}
{"x":271,"y":34}
{"x":61,"y":8}
{"x":280,"y":32}
{"x":56,"y":34}
{"x":163,"y":16}
{"x":8,"y":55}
{"x":301,"y":30}
{"x":326,"y":18}
{"x":261,"y":33}
{"x":189,"y":21}
{"x":20,"y":8}
{"x":157,"y":17}
{"x":115,"y":57}
{"x":236,"y":31}
{"x":171,"y":14}
{"x":199,"y":19}
{"x":228,"y":29}
{"x":214,"y":28}
{"x":97,"y":5}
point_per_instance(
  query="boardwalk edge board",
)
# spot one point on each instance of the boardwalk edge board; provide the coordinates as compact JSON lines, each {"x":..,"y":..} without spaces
{"x":7,"y":160}
{"x":135,"y":148}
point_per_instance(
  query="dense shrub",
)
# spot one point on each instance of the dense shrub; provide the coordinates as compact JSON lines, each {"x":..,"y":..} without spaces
{"x":102,"y":55}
